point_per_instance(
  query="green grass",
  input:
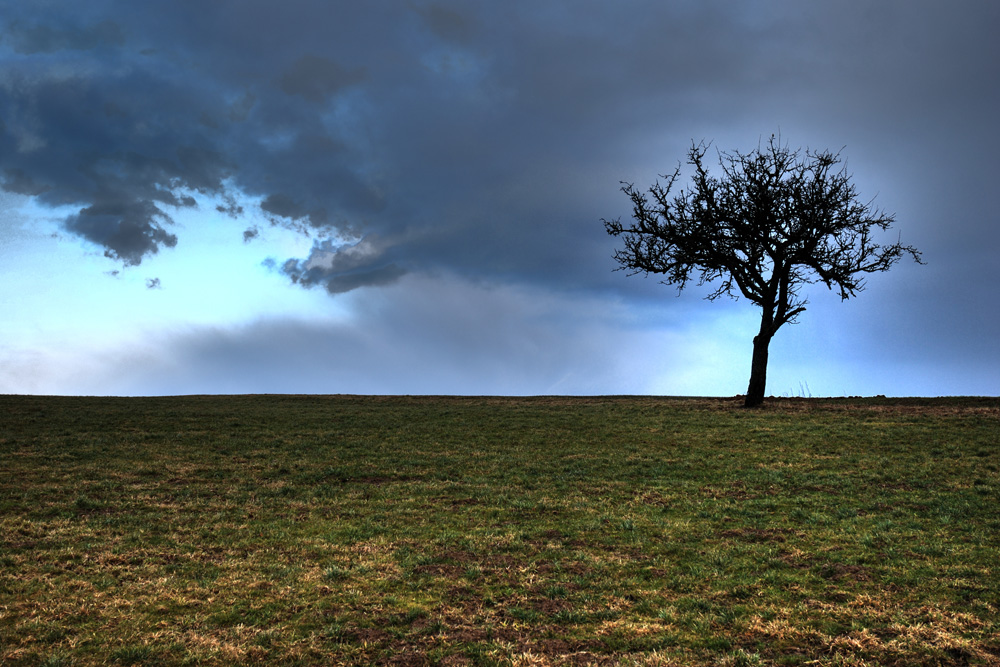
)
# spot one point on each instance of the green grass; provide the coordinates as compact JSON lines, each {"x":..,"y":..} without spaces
{"x":287,"y":530}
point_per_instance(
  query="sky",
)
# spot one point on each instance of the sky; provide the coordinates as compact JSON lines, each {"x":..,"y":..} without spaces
{"x":405,"y":197}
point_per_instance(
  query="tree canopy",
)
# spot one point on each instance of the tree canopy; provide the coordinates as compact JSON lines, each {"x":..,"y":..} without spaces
{"x":776,"y":219}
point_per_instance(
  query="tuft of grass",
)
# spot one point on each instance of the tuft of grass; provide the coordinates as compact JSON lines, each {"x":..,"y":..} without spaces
{"x":498,"y":531}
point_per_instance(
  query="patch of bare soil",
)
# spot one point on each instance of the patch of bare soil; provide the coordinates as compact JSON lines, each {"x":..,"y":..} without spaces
{"x":837,"y":572}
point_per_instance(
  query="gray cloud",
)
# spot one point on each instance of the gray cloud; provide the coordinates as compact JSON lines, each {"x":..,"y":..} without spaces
{"x":315,"y":78}
{"x":128,"y":230}
{"x":16,"y":181}
{"x":120,"y":158}
{"x":445,"y":22}
{"x":466,"y":119}
{"x":283,"y":206}
{"x":344,"y":267}
{"x":418,"y":336}
{"x":42,"y":38}
{"x":376,"y":277}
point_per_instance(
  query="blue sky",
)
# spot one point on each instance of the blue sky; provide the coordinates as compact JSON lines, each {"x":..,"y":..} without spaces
{"x":406,"y":197}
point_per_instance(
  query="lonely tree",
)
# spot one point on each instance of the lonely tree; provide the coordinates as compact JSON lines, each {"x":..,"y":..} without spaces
{"x":772,"y":222}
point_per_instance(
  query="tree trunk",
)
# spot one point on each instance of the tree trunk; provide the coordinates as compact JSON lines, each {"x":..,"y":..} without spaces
{"x":758,"y":371}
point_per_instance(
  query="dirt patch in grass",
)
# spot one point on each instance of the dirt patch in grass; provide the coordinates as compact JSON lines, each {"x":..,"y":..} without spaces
{"x":840,"y":571}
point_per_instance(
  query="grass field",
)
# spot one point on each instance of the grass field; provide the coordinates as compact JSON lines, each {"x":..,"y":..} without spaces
{"x":492,"y":531}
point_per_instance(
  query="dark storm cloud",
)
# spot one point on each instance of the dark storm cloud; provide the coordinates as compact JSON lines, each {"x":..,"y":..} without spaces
{"x":283,"y":206}
{"x":42,"y":38}
{"x":114,"y":145}
{"x":316,"y":78}
{"x":446,"y":23}
{"x":448,"y":118}
{"x":344,"y":267}
{"x":16,"y":181}
{"x":487,"y":139}
{"x":345,"y":282}
{"x":128,"y":230}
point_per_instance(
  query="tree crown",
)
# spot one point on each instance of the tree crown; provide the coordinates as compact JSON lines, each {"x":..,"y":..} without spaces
{"x":772,"y":222}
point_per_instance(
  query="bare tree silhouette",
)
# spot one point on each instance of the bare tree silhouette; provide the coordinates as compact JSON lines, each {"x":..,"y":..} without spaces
{"x":771,"y":223}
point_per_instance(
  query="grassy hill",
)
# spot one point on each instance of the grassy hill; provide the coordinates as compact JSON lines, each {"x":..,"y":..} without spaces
{"x":498,"y":531}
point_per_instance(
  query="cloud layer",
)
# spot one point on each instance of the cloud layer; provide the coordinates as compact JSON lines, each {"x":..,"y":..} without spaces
{"x":484,"y":141}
